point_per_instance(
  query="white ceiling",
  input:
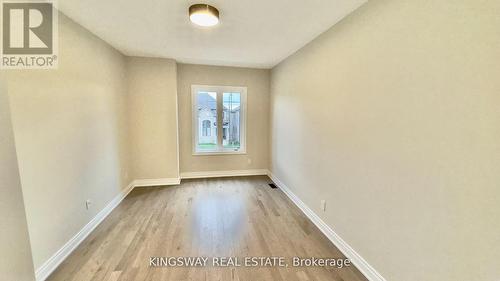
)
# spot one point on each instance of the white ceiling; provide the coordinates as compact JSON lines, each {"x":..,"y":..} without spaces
{"x":251,"y":33}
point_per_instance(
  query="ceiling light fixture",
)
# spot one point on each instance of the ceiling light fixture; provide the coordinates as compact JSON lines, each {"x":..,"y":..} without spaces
{"x":203,"y":15}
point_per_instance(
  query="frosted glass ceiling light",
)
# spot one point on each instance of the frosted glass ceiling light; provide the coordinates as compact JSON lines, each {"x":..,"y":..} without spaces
{"x":203,"y":15}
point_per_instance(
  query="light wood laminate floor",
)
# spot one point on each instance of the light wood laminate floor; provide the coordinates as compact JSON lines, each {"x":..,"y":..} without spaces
{"x":234,"y":217}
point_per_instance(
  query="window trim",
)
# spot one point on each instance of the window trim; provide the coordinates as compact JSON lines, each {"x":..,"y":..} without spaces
{"x":194,"y":118}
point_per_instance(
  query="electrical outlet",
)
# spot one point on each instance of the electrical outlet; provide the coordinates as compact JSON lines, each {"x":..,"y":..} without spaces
{"x":323,"y":205}
{"x":88,"y":203}
{"x":249,"y":160}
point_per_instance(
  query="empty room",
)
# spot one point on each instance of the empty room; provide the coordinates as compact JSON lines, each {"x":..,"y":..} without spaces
{"x":250,"y":140}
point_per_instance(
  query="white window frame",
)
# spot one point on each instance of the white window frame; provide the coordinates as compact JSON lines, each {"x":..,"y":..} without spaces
{"x":243,"y":118}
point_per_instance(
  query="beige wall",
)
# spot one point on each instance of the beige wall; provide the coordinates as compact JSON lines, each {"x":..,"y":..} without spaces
{"x":257,"y":83}
{"x":152,"y":88}
{"x":393,"y":116}
{"x":70,"y":130}
{"x":15,"y":257}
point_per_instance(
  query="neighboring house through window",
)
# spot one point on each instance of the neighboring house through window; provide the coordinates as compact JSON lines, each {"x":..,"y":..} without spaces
{"x":214,"y":105}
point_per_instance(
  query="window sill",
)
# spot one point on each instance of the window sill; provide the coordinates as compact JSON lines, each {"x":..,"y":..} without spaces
{"x":215,"y":153}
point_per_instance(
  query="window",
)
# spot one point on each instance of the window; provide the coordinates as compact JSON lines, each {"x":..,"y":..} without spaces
{"x":218,"y":119}
{"x":231,"y":105}
{"x":206,"y":128}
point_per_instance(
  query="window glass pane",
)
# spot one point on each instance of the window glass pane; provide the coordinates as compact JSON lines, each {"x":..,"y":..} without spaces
{"x":207,"y":121}
{"x":231,"y":121}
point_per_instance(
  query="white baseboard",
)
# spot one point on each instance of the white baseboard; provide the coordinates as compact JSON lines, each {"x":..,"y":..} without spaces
{"x":220,"y":174}
{"x":156,"y":182}
{"x":53,"y":262}
{"x":368,"y":271}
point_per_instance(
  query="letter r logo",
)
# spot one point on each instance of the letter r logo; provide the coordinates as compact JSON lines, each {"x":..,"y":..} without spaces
{"x":27,"y":28}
